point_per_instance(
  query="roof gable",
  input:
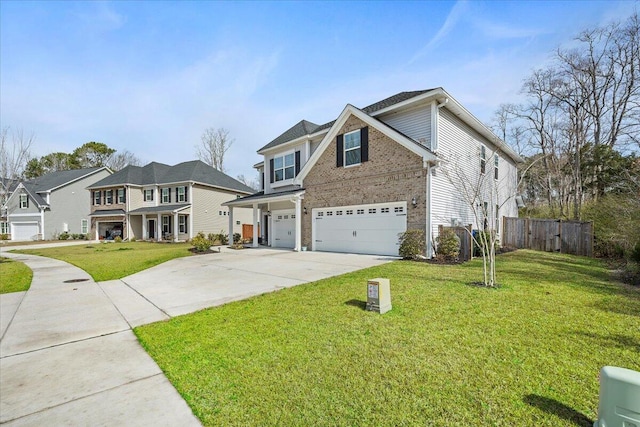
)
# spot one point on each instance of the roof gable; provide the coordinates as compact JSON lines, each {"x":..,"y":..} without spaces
{"x":348,"y":111}
{"x":57,"y":179}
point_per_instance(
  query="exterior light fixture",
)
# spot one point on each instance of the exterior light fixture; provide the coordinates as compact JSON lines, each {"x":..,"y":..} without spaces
{"x":305,"y":210}
{"x":414,"y":201}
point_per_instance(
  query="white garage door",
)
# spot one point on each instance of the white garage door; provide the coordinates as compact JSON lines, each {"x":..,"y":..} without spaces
{"x":362,"y":229}
{"x":284,"y":229}
{"x":24,"y":231}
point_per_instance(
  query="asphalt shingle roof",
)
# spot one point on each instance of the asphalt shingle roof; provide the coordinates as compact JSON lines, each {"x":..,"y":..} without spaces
{"x":159,"y":173}
{"x":56,"y":179}
{"x":305,"y":127}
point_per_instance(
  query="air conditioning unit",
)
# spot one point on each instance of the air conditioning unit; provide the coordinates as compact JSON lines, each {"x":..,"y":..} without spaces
{"x":619,"y":398}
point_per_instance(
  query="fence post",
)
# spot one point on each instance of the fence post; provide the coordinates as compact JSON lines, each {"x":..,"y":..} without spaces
{"x":560,"y":236}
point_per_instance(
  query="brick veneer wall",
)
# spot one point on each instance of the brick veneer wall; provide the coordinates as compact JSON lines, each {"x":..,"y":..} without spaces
{"x":392,"y":174}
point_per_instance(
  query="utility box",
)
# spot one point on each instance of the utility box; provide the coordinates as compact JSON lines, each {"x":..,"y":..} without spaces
{"x":619,"y":398}
{"x":378,"y":295}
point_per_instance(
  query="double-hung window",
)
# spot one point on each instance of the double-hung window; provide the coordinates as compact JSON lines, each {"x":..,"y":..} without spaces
{"x":166,"y":195}
{"x":496,"y":163}
{"x":182,"y":223}
{"x":121,"y":196}
{"x":24,"y":201}
{"x":352,"y":148}
{"x":284,"y":167}
{"x":97,"y":197}
{"x":84,"y":226}
{"x":108,"y":197}
{"x":166,"y":224}
{"x":181,"y":194}
{"x":148,"y":195}
{"x":483,"y":159}
{"x":4,"y":227}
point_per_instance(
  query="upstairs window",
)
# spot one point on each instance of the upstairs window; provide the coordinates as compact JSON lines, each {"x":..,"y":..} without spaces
{"x":496,"y":163}
{"x":352,"y":148}
{"x":24,"y":201}
{"x":97,"y":197}
{"x":166,"y":195}
{"x":121,"y":197}
{"x":483,"y":159}
{"x":181,"y":194}
{"x":148,"y":195}
{"x":284,"y":167}
{"x":108,"y":197}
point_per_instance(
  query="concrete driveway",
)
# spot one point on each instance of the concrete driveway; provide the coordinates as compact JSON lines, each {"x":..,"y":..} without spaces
{"x":67,"y":352}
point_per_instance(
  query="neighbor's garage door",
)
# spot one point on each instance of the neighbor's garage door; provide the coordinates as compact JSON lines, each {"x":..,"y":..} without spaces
{"x":24,"y":231}
{"x":362,"y":229}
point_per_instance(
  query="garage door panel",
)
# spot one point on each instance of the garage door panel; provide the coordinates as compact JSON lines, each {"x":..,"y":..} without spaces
{"x":367,"y":229}
{"x":25,"y":231}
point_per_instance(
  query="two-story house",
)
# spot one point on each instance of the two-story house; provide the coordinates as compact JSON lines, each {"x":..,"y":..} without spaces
{"x":354,"y":184}
{"x":45,"y":207}
{"x":162,"y":202}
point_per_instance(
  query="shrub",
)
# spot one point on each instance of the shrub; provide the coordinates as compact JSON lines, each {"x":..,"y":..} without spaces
{"x":212,"y":237}
{"x":223,"y":238}
{"x":478,"y":238}
{"x":63,"y":236}
{"x":634,"y":254}
{"x":237,"y":237}
{"x":118,"y":239}
{"x":448,"y":245}
{"x":412,"y":244}
{"x":200,"y":242}
{"x":133,"y":239}
{"x":4,"y":237}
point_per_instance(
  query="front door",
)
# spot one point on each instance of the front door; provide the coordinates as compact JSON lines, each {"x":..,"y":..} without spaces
{"x":151,"y":227}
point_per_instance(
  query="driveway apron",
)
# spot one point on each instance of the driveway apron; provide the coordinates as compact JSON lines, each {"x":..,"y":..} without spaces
{"x":69,"y":357}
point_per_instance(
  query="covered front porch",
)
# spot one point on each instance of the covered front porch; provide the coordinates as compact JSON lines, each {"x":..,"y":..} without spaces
{"x":162,"y":223}
{"x":277,"y":218}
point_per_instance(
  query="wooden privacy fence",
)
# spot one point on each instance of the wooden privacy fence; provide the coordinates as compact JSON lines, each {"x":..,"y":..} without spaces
{"x":466,"y":242}
{"x":550,"y":235}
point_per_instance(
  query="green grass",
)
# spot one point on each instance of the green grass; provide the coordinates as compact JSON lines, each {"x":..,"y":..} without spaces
{"x":14,"y":276}
{"x":108,"y":261}
{"x":448,"y":353}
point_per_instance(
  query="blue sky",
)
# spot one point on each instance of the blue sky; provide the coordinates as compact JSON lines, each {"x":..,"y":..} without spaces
{"x":149,"y":77}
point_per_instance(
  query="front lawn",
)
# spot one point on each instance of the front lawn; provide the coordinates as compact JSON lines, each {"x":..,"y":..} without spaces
{"x":14,"y":276}
{"x":448,"y":353}
{"x":108,"y":261}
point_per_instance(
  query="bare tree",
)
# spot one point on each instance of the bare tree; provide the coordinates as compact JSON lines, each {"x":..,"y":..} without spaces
{"x":15,"y":149}
{"x":252,"y":183}
{"x":120,"y":160}
{"x":214,"y":143}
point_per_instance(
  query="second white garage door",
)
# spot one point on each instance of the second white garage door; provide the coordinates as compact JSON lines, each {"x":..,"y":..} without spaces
{"x":361,"y":229}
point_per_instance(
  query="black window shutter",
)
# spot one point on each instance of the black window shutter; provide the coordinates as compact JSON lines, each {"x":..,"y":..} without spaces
{"x":364,"y":144}
{"x":169,"y":189}
{"x":262,"y":181}
{"x":124,"y":195}
{"x":340,"y":151}
{"x":271,"y":172}
{"x":297,"y":163}
{"x":186,"y":194}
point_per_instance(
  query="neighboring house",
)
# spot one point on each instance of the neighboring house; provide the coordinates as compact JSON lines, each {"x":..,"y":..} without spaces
{"x":353,"y":184}
{"x":45,"y":207}
{"x":7,"y":186}
{"x":162,"y":202}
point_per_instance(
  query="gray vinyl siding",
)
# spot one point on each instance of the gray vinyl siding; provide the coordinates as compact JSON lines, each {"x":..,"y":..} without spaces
{"x":206,"y":207}
{"x":13,"y":204}
{"x":460,"y":146}
{"x":70,"y":204}
{"x":415,"y":123}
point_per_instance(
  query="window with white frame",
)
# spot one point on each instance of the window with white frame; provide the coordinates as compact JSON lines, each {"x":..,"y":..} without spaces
{"x":4,"y":227}
{"x":284,"y":167}
{"x":24,"y":201}
{"x":166,"y":224}
{"x":84,"y":226}
{"x":108,"y":197}
{"x":181,"y":194}
{"x":496,"y":163}
{"x":483,"y":159}
{"x":148,"y":195}
{"x":182,"y":223}
{"x":352,"y":148}
{"x":165,"y":195}
{"x":97,"y":197}
{"x":121,"y":195}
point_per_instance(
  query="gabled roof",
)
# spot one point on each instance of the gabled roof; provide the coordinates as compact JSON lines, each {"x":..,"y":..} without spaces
{"x":304,"y":127}
{"x":31,"y":191}
{"x":57,"y":179}
{"x":158,"y":173}
{"x":408,"y":143}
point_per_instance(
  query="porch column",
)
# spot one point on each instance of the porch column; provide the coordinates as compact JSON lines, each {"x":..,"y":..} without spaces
{"x":159,"y":228}
{"x":298,"y":225}
{"x":255,"y":225}
{"x":175,"y":226}
{"x":144,"y":227}
{"x":231,"y":225}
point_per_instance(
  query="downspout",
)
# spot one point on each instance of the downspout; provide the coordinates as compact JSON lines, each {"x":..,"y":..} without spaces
{"x":428,"y":236}
{"x":42,"y":222}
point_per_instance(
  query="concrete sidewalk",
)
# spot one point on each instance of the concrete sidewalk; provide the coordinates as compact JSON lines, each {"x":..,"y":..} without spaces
{"x":68,"y":357}
{"x":67,"y":352}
